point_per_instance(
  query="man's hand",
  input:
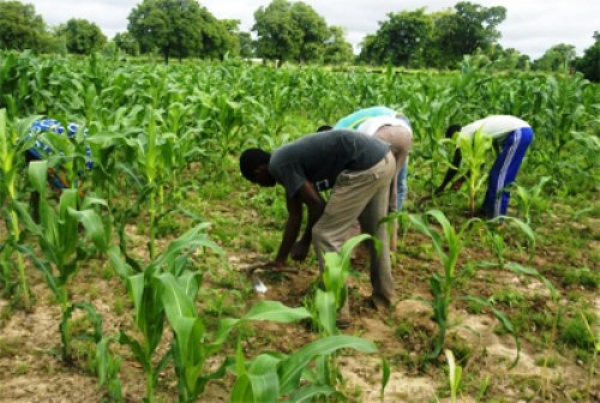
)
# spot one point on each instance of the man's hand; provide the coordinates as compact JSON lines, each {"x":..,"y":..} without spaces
{"x":300,"y":250}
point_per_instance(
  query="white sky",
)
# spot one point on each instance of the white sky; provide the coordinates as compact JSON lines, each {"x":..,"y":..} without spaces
{"x":531,"y":26}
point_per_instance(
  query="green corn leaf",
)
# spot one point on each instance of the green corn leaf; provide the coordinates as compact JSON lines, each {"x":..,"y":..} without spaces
{"x":94,"y":227}
{"x":122,"y":269}
{"x":326,"y":309}
{"x":185,"y":244}
{"x":263,"y":378}
{"x":190,"y":282}
{"x":291,"y":368}
{"x":519,"y":269}
{"x":334,"y":277}
{"x":135,"y":285}
{"x":38,"y":176}
{"x":242,"y":390}
{"x":105,"y":363}
{"x":43,"y":267}
{"x":275,"y":311}
{"x":350,"y":244}
{"x":175,"y":300}
{"x":138,"y":350}
{"x":67,"y":223}
{"x":385,"y":365}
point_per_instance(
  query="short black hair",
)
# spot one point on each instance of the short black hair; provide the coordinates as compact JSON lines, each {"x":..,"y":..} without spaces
{"x":452,"y":129}
{"x":251,"y":159}
{"x":324,"y":128}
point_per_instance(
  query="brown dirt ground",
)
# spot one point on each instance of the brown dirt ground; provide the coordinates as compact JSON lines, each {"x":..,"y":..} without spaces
{"x":31,"y":372}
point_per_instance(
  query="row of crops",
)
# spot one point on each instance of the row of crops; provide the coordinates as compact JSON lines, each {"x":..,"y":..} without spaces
{"x":153,"y":127}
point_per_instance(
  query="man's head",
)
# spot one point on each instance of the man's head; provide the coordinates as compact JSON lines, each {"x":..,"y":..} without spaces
{"x":324,"y":128}
{"x":254,"y":165}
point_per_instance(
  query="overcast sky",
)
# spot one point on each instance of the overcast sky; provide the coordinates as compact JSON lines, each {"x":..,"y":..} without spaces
{"x":531,"y":26}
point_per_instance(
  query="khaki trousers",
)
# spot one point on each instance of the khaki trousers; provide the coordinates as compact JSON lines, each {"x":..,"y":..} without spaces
{"x":400,"y":140}
{"x":362,"y":195}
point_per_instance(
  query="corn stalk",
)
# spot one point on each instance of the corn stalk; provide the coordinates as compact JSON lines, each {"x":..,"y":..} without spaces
{"x":10,"y":152}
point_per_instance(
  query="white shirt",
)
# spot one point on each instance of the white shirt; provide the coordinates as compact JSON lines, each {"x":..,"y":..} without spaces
{"x":494,"y":126}
{"x":371,"y":125}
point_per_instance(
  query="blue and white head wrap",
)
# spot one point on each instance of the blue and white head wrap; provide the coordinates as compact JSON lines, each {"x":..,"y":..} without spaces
{"x":40,"y":148}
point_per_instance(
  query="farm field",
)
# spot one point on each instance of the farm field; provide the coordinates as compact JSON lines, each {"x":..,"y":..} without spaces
{"x":141,"y":292}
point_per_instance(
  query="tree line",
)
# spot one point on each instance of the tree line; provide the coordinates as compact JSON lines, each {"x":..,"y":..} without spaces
{"x":292,"y":31}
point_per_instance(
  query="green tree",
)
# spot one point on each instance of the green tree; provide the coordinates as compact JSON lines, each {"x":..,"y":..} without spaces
{"x":504,"y":59}
{"x":246,"y":44}
{"x":400,"y":40}
{"x":471,"y":26}
{"x":337,"y":49}
{"x":290,"y":32}
{"x":218,"y":39}
{"x":557,"y":58}
{"x":241,"y":41}
{"x":589,"y":64}
{"x":82,"y":36}
{"x":21,"y":28}
{"x":127,"y":43}
{"x":314,"y":32}
{"x":178,"y":28}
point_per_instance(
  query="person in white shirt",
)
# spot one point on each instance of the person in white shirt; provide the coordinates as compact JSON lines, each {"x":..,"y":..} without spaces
{"x":513,"y":137}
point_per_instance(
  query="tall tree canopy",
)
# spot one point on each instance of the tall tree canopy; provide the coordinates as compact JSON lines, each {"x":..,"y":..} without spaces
{"x":290,"y":32}
{"x":400,"y":40}
{"x":557,"y":58}
{"x":127,"y":43}
{"x":337,"y":49}
{"x":21,"y":28}
{"x":589,"y":64}
{"x":82,"y":36}
{"x":471,"y":26}
{"x":178,"y":28}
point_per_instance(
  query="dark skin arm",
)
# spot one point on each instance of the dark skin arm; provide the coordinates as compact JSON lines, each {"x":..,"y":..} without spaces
{"x":309,"y":196}
{"x":450,"y":174}
{"x":315,"y":205}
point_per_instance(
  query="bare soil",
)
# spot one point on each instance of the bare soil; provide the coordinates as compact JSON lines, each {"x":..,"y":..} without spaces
{"x":30,"y":370}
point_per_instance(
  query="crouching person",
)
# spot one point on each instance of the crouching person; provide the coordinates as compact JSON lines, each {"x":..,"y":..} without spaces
{"x":57,"y":176}
{"x":358,"y":169}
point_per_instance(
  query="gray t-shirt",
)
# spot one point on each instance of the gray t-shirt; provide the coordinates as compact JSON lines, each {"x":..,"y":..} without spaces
{"x":321,"y":157}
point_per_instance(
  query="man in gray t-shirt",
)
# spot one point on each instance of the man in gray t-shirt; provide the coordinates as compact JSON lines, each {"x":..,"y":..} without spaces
{"x":358,"y":169}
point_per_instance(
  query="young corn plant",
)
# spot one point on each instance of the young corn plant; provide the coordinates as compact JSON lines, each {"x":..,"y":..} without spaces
{"x":595,"y":336}
{"x":448,"y":243}
{"x":107,"y":367}
{"x":193,"y":345}
{"x":11,"y":151}
{"x":327,"y":303}
{"x":310,"y":372}
{"x":474,"y":155}
{"x":532,"y":200}
{"x":61,"y":245}
{"x":274,"y":377}
{"x":454,"y":375}
{"x":435,"y":105}
{"x":335,"y":294}
{"x":167,"y":289}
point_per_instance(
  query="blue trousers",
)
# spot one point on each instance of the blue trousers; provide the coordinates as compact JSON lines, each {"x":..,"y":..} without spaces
{"x":402,"y":186}
{"x":504,"y":171}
